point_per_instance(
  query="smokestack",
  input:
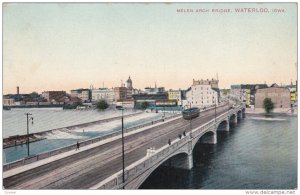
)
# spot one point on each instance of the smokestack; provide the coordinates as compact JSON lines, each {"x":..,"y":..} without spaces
{"x":18,"y":91}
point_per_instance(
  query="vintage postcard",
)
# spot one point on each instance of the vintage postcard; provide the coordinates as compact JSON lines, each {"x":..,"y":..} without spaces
{"x":150,"y":96}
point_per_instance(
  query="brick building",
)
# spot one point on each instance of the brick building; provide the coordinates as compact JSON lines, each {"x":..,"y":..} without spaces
{"x":280,"y":96}
{"x":53,"y":95}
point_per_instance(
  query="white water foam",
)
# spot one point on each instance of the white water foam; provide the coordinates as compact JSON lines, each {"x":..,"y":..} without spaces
{"x":63,"y":135}
{"x":267,"y":119}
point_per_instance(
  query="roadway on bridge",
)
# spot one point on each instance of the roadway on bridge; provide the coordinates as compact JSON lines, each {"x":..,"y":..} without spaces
{"x":87,"y":168}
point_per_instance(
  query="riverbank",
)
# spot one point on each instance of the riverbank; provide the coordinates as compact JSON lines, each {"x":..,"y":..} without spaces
{"x":275,"y":112}
{"x":20,"y":140}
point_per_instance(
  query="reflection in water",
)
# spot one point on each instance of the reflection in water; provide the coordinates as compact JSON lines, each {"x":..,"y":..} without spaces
{"x":255,"y":154}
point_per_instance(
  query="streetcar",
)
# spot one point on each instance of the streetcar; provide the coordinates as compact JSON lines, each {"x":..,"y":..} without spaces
{"x":191,"y":113}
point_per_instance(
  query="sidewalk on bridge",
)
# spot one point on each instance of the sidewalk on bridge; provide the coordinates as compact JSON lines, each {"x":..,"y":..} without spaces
{"x":27,"y":167}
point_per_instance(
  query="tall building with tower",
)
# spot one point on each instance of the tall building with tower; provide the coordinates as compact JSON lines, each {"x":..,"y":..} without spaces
{"x":129,"y":83}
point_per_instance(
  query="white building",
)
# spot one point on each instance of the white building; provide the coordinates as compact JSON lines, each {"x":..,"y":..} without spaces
{"x":103,"y":94}
{"x":83,"y":94}
{"x":8,"y":102}
{"x":201,"y":96}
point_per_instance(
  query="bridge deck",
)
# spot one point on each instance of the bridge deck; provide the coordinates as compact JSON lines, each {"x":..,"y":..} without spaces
{"x":84,"y":169}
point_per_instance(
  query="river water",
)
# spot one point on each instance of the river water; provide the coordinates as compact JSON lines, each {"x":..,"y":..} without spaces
{"x":47,"y":119}
{"x":257,"y":153}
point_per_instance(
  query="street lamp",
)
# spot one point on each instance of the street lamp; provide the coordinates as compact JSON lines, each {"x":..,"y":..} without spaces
{"x":215,"y":111}
{"x":28,"y":119}
{"x":191,"y":118}
{"x":123,"y":155}
{"x":164,"y":116}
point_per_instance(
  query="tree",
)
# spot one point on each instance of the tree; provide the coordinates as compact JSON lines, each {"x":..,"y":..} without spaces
{"x":268,"y":105}
{"x":102,"y":105}
{"x":145,"y":105}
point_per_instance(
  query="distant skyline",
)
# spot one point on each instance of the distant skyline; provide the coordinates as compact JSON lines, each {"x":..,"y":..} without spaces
{"x":64,"y":46}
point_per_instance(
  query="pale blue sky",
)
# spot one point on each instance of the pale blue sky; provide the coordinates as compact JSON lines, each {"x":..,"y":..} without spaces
{"x":59,"y":46}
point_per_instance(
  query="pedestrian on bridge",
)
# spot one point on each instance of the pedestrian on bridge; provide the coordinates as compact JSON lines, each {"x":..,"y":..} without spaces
{"x":77,"y":146}
{"x":169,"y":141}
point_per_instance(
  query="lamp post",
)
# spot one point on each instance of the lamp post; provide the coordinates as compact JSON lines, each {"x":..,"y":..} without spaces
{"x":164,"y":116}
{"x":191,"y":119}
{"x":123,"y":155}
{"x":28,"y":119}
{"x":215,"y":111}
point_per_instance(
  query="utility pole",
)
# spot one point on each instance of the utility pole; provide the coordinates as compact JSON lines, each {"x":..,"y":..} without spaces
{"x":191,"y":118}
{"x":28,"y":119}
{"x":215,"y":111}
{"x":123,"y":154}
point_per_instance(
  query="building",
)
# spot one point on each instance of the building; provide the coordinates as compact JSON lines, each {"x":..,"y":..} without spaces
{"x":83,"y":94}
{"x":70,"y":101}
{"x":280,"y":96}
{"x":8,"y":102}
{"x":175,"y":95}
{"x":51,"y":96}
{"x":151,"y":99}
{"x":201,"y":95}
{"x":239,"y":94}
{"x":130,"y":89}
{"x":214,"y":83}
{"x":120,"y":93}
{"x":155,"y":90}
{"x":129,"y":83}
{"x":293,"y":92}
{"x":245,"y":93}
{"x":103,"y":94}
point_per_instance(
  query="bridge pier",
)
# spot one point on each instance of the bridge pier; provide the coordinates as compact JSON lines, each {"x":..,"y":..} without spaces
{"x":234,"y":121}
{"x":211,"y":139}
{"x":227,"y":126}
{"x":224,"y":126}
{"x":181,"y":161}
{"x":243,"y":114}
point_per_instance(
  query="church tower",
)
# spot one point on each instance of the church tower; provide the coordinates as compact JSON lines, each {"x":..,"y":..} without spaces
{"x":129,"y":83}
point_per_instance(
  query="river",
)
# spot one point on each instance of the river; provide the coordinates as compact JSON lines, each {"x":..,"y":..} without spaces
{"x":14,"y":123}
{"x":257,"y":153}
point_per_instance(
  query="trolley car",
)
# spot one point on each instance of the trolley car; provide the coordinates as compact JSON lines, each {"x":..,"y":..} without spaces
{"x":191,"y":113}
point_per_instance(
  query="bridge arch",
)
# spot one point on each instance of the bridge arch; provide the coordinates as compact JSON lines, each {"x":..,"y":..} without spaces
{"x":183,"y":156}
{"x":208,"y":137}
{"x":223,"y":125}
